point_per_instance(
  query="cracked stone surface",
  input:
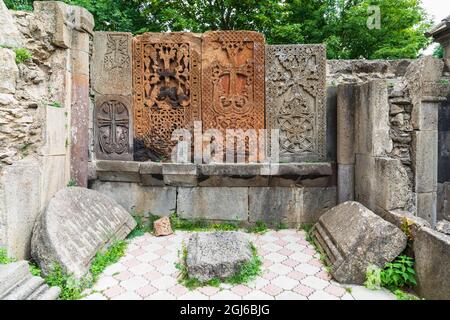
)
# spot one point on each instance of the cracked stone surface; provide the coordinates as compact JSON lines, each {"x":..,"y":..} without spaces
{"x":291,"y":271}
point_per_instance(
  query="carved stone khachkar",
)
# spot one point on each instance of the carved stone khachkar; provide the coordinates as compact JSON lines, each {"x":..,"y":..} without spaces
{"x":111,"y":67}
{"x":167,"y":82}
{"x":295,"y":100}
{"x":233,"y":80}
{"x":113,"y":130}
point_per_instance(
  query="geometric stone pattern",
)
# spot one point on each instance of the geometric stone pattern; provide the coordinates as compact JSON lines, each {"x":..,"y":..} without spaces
{"x":233,"y":80}
{"x":77,"y":223}
{"x":112,"y":63}
{"x":167,"y":88}
{"x":291,"y":270}
{"x":295,"y":99}
{"x":112,"y":128}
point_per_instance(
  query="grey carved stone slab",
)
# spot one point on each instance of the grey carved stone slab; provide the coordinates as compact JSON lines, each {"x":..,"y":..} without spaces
{"x":77,"y":224}
{"x":113,"y":131}
{"x":111,"y":63}
{"x":295,"y":100}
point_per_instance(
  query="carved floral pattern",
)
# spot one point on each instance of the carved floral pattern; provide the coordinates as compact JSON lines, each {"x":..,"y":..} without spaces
{"x":295,"y":98}
{"x":167,"y":88}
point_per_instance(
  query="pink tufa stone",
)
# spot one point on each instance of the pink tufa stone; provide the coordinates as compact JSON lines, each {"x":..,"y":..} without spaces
{"x":162,"y":227}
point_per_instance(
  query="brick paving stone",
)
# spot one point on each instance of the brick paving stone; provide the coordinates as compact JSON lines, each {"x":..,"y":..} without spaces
{"x":272,"y":289}
{"x":134,"y":283}
{"x":290,"y":263}
{"x":124,"y":275}
{"x":285,"y":283}
{"x":335,"y":290}
{"x":296,"y":275}
{"x":315,"y":283}
{"x":307,"y":269}
{"x":146,"y":291}
{"x":258,"y":295}
{"x":290,"y":295}
{"x":241,"y":290}
{"x":280,"y":269}
{"x":208,"y":290}
{"x":303,"y":290}
{"x":178,"y":290}
{"x":114,"y":291}
{"x":226,"y":295}
{"x":291,"y":270}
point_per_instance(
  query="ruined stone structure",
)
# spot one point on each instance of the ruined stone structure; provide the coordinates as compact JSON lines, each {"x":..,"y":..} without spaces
{"x":100,"y":109}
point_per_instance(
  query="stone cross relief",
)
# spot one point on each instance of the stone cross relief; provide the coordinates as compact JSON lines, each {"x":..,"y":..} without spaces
{"x":295,"y":100}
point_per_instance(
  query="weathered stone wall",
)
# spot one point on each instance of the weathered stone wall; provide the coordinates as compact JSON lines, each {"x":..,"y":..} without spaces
{"x":387,"y":137}
{"x":39,"y":135}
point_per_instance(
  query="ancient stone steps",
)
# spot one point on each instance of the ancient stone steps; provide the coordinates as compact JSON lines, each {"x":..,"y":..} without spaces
{"x":17,"y":283}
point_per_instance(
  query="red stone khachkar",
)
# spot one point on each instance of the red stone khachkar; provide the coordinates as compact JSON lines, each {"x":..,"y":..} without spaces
{"x":167,"y":87}
{"x":233,"y":80}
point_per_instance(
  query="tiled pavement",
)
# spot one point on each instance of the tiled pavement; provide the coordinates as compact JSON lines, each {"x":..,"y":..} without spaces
{"x":291,"y":270}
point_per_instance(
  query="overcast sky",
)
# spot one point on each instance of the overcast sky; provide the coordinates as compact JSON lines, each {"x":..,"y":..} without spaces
{"x":438,"y":10}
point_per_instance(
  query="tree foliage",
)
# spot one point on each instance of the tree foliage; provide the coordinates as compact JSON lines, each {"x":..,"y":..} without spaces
{"x":341,"y":24}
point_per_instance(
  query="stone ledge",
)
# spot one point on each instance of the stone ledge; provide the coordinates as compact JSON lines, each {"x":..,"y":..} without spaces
{"x":216,"y":175}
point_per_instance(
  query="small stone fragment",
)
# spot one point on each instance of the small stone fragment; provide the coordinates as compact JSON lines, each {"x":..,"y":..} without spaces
{"x":162,"y":227}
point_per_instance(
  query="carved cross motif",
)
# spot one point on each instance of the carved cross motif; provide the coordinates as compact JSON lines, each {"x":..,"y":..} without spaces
{"x":113,"y":126}
{"x":116,"y":56}
{"x":295,"y":93}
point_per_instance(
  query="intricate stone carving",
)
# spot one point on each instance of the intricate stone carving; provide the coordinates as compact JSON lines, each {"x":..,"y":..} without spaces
{"x":166,"y":87}
{"x":233,"y":80}
{"x":113,"y":139}
{"x":112,"y":63}
{"x":295,"y":100}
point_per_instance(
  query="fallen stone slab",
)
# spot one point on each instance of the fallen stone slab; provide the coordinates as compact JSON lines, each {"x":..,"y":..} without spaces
{"x":352,"y":237}
{"x":217,"y":255}
{"x":76,"y":224}
{"x":17,"y":283}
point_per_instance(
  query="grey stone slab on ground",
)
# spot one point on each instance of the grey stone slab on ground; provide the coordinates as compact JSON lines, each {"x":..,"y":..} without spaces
{"x":353,"y":237}
{"x":432,"y":253}
{"x":17,"y":283}
{"x":217,"y":255}
{"x":76,"y":224}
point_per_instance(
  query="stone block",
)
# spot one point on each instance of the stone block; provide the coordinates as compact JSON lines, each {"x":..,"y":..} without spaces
{"x":353,"y":237}
{"x":226,"y":204}
{"x":432,"y":256}
{"x":425,"y":116}
{"x":316,"y":202}
{"x":346,"y":182}
{"x":427,"y":207}
{"x":19,"y":206}
{"x":8,"y":70}
{"x":9,"y":34}
{"x":151,"y":174}
{"x":424,"y":160}
{"x":275,"y":205}
{"x":162,"y":227}
{"x":113,"y":128}
{"x":217,"y":255}
{"x":226,"y":102}
{"x":365,"y":181}
{"x":347,"y":102}
{"x":120,"y":171}
{"x":175,"y":99}
{"x":393,"y":186}
{"x":232,"y":169}
{"x":77,"y":224}
{"x":372,"y":120}
{"x":183,"y":175}
{"x":331,"y":138}
{"x":112,"y":63}
{"x":298,"y":169}
{"x":233,"y":181}
{"x":295,"y":100}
